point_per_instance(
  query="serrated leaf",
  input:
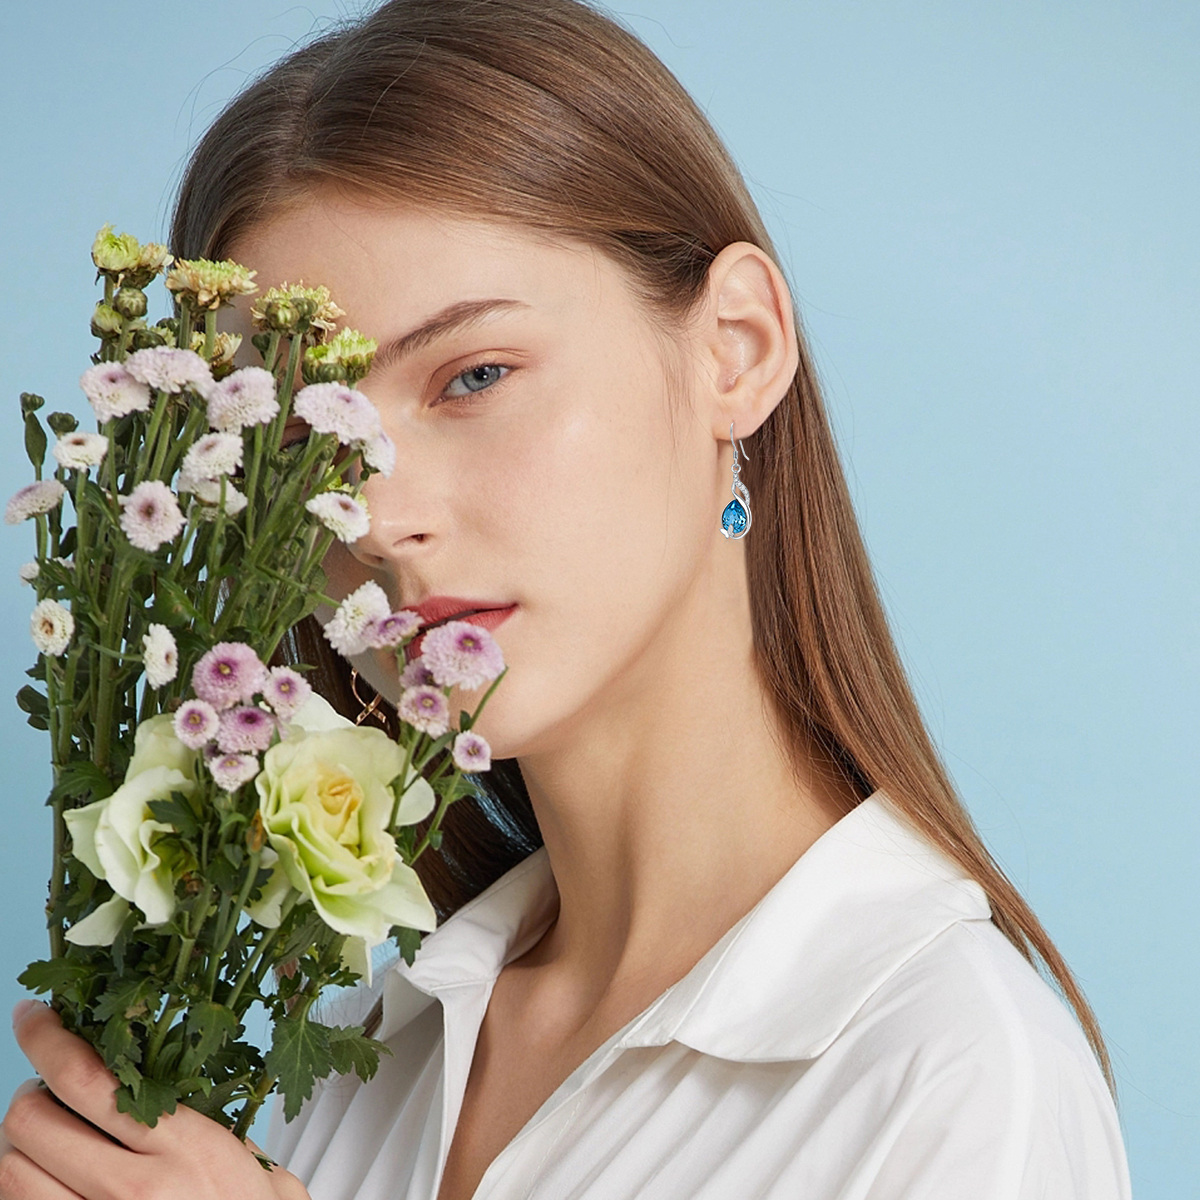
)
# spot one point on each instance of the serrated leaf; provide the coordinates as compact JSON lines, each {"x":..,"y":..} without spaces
{"x":56,"y":975}
{"x":210,"y":1024}
{"x":128,"y":1000}
{"x":299,"y":1056}
{"x":352,"y":1051}
{"x":409,"y":942}
{"x":81,"y":778}
{"x":117,"y":1042}
{"x":176,"y":812}
{"x":147,"y":1100}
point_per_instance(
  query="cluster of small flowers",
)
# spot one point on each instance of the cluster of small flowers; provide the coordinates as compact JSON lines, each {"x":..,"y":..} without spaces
{"x":238,"y":707}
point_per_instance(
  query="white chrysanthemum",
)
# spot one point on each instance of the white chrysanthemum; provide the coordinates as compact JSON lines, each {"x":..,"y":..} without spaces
{"x":28,"y":572}
{"x":346,"y":629}
{"x":338,"y":409}
{"x":379,"y":453}
{"x":150,"y":515}
{"x":51,"y":627}
{"x":160,"y":655}
{"x":169,"y":369}
{"x":247,"y":397}
{"x":345,"y":516}
{"x":32,"y":500}
{"x":79,"y":451}
{"x":113,"y":392}
{"x":208,"y":492}
{"x":212,"y":456}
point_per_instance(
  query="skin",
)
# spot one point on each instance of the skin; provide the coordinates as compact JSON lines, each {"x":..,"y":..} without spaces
{"x":577,"y":485}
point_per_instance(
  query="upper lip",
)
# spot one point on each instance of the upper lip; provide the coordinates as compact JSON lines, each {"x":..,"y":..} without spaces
{"x":435,"y":609}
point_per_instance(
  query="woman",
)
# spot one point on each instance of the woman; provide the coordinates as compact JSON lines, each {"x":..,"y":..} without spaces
{"x":720,"y":926}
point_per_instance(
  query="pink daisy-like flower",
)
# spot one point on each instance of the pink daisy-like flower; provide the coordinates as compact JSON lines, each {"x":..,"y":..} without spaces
{"x":113,"y":392}
{"x":169,"y":369}
{"x":247,"y":397}
{"x":213,"y":455}
{"x":245,"y":729}
{"x":426,"y":708}
{"x":230,"y":673}
{"x":79,"y":451}
{"x":471,"y":752}
{"x":196,"y":722}
{"x":345,"y":516}
{"x":392,"y":629}
{"x":379,"y":453}
{"x":346,"y":627}
{"x":150,"y":515}
{"x":232,"y":770}
{"x":459,"y":653}
{"x":32,"y":500}
{"x":338,"y":409}
{"x":417,"y":674}
{"x":285,"y":690}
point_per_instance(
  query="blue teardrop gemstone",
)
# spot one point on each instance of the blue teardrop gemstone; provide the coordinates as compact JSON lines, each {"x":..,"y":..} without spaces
{"x":733,"y":519}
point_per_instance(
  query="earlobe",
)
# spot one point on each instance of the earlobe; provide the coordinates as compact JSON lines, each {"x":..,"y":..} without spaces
{"x":750,"y":333}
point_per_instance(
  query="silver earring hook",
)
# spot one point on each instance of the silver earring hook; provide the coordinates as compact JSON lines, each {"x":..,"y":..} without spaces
{"x":739,"y":443}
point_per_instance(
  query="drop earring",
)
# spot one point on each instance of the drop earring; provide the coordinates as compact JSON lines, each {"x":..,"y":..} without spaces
{"x":366,"y":709}
{"x":735,"y":519}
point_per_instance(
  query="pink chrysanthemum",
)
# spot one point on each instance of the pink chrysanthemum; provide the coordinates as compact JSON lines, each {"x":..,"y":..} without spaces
{"x":150,"y":515}
{"x":346,"y":627}
{"x":462,"y":654}
{"x":32,"y":500}
{"x":426,"y":708}
{"x":379,"y":453}
{"x":417,"y":674}
{"x":230,"y":673}
{"x":245,"y":729}
{"x":392,"y":629}
{"x":213,"y":455}
{"x":196,"y":722}
{"x":285,"y":690}
{"x":471,"y":752}
{"x":345,"y":516}
{"x":113,"y":392}
{"x":169,"y":369}
{"x":247,"y":397}
{"x":232,"y":770}
{"x":338,"y":409}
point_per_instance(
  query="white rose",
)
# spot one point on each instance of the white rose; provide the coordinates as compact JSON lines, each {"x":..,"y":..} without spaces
{"x":115,"y":837}
{"x":326,"y":804}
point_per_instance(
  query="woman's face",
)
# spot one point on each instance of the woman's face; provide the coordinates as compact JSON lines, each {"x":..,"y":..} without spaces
{"x":537,"y":460}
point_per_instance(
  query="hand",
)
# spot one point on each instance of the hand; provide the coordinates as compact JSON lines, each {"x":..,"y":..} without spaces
{"x":54,"y":1155}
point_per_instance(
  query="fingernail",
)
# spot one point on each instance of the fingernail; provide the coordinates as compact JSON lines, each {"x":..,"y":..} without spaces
{"x":22,"y":1008}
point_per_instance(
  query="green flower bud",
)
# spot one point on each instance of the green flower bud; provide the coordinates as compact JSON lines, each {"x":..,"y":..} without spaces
{"x":114,"y":253}
{"x":354,"y":352}
{"x":130,"y":302}
{"x":30,"y":403}
{"x":62,"y":423}
{"x":210,"y":284}
{"x":106,"y":321}
{"x":261,"y":342}
{"x":284,"y":309}
{"x":320,"y":366}
{"x":147,"y":339}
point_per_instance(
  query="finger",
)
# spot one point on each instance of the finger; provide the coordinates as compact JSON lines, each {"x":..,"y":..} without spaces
{"x":21,"y":1179}
{"x":76,"y":1074}
{"x":63,"y":1146}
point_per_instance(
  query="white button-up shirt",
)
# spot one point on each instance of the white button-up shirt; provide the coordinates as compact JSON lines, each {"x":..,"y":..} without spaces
{"x":863,"y":1033}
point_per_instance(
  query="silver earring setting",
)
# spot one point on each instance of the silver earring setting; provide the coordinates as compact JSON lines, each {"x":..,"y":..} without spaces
{"x":735,"y":519}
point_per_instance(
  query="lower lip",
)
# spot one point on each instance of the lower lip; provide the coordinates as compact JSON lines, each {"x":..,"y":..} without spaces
{"x":489,"y":618}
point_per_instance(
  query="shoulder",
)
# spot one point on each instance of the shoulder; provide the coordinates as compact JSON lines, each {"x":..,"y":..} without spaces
{"x":979,"y":1064}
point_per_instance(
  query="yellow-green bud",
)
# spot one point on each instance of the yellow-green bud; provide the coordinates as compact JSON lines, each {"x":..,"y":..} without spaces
{"x":275,"y":308}
{"x":320,"y":366}
{"x":106,"y":321}
{"x":147,"y":339}
{"x":62,"y":423}
{"x":353,"y":351}
{"x":114,"y":253}
{"x":130,"y":302}
{"x":210,"y":284}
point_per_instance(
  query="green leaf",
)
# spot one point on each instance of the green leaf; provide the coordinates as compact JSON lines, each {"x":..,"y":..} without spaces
{"x":30,"y":700}
{"x":117,"y":1042}
{"x":464,"y":720}
{"x":57,"y":975}
{"x":81,"y":778}
{"x":128,"y":1000}
{"x":409,"y":942}
{"x":299,"y":1055}
{"x":176,"y":812}
{"x":211,"y":1025}
{"x":352,"y":1051}
{"x":147,"y":1100}
{"x":173,"y":606}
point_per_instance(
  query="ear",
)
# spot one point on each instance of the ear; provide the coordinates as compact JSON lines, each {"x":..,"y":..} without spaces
{"x":747,"y":336}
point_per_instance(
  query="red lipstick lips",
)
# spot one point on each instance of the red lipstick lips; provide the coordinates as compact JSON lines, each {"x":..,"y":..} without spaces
{"x":437,"y":610}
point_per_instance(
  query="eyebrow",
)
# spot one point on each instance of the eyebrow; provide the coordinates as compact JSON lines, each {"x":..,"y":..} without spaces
{"x":450,"y":320}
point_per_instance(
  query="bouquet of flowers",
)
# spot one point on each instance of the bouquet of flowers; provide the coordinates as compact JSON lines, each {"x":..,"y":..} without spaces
{"x":222,"y":837}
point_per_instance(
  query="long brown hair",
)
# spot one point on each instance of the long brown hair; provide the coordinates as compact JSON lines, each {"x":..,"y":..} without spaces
{"x":549,"y":114}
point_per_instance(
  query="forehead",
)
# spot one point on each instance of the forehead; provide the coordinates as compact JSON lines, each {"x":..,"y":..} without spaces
{"x":382,"y":262}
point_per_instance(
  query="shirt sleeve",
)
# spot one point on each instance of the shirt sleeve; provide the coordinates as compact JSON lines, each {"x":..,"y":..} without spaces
{"x":1038,"y":1124}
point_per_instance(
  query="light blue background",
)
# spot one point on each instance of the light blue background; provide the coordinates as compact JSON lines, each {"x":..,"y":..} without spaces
{"x":988,"y":213}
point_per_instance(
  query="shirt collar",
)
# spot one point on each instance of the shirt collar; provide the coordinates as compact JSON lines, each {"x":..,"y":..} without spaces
{"x":780,"y":984}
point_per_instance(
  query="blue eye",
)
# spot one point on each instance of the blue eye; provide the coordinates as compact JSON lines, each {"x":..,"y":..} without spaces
{"x":477,"y":379}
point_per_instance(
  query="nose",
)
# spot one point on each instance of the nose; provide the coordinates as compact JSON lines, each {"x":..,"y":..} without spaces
{"x":400,"y":513}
